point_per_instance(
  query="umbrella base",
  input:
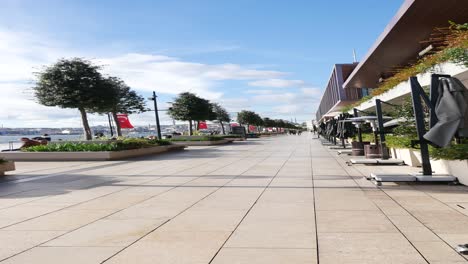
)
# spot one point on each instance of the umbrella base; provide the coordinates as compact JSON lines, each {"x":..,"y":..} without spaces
{"x":345,"y":151}
{"x":340,"y":147}
{"x":377,"y":161}
{"x":378,"y":178}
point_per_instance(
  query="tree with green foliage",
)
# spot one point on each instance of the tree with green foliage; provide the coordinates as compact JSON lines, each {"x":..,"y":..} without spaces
{"x":189,"y":107}
{"x":72,"y":83}
{"x":121,"y":100}
{"x":267,"y":122}
{"x":221,"y":115}
{"x":248,"y":118}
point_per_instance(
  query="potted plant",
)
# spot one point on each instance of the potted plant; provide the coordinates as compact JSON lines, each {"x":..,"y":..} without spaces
{"x":6,"y":166}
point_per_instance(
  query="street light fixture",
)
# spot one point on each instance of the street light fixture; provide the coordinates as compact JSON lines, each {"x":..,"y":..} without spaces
{"x":158,"y":127}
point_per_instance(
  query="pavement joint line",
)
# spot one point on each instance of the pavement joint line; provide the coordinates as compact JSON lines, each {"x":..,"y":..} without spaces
{"x":166,"y":163}
{"x":251,"y":207}
{"x":417,"y":219}
{"x":39,"y":245}
{"x":315,"y":206}
{"x":386,"y":216}
{"x":33,"y":178}
{"x":186,"y":209}
{"x":54,"y":175}
{"x":58,"y":167}
{"x":47,"y":196}
{"x":271,"y":247}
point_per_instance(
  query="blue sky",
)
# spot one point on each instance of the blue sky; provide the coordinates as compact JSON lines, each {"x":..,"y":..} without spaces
{"x":273,"y":57}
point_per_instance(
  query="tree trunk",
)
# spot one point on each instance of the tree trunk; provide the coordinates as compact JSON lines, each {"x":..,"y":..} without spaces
{"x":222,"y":127}
{"x":86,"y":128}
{"x":190,"y":128}
{"x":117,"y":124}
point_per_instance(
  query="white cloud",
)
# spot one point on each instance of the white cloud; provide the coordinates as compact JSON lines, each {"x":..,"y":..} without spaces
{"x":259,"y":91}
{"x":277,"y":83}
{"x":311,"y":91}
{"x":172,"y":76}
{"x":301,"y":105}
{"x":23,"y":53}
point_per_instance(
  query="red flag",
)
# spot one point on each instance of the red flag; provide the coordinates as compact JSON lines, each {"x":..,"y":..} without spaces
{"x":202,"y":125}
{"x":124,"y":121}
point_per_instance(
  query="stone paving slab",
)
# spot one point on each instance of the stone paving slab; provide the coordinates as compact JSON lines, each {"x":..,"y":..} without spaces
{"x":272,"y":200}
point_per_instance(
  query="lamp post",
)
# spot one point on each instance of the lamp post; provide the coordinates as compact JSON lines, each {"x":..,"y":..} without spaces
{"x":158,"y":127}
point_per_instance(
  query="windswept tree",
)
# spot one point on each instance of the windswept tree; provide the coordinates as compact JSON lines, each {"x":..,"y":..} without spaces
{"x":122,"y":100}
{"x":189,"y":107}
{"x":221,"y":115}
{"x":72,"y":83}
{"x":248,"y":118}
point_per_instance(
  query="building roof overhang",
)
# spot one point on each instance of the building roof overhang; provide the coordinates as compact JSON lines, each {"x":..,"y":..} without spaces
{"x":400,"y":42}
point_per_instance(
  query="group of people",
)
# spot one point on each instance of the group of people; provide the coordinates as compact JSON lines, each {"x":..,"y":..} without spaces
{"x":30,"y":142}
{"x":35,"y":141}
{"x":295,"y":132}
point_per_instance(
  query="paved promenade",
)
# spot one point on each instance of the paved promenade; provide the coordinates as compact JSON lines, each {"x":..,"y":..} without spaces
{"x":277,"y":200}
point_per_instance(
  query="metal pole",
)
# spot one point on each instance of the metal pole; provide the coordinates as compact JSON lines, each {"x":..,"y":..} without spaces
{"x":110,"y":124}
{"x":158,"y":127}
{"x":378,"y":110}
{"x":356,"y":114}
{"x":416,"y":91}
{"x":341,"y":127}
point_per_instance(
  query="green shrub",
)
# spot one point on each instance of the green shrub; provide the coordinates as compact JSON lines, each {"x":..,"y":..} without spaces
{"x":126,"y":144}
{"x":72,"y":147}
{"x":453,"y":152}
{"x":159,"y":142}
{"x":205,"y":138}
{"x":398,"y":142}
{"x":2,"y":161}
{"x":231,"y":136}
{"x":455,"y":50}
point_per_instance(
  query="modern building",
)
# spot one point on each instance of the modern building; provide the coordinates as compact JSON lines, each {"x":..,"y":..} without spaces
{"x":335,"y":97}
{"x":403,"y":42}
{"x":405,"y":39}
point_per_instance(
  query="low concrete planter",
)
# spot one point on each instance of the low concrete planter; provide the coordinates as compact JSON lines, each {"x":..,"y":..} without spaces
{"x":235,"y":139}
{"x":6,"y":166}
{"x":87,"y":156}
{"x":201,"y":143}
{"x":409,"y":156}
{"x":459,"y":169}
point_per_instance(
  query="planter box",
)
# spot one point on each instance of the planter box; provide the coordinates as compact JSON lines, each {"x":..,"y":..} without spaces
{"x":6,"y":166}
{"x":87,"y":156}
{"x":459,"y":169}
{"x":201,"y":143}
{"x":235,"y":139}
{"x":409,"y":156}
{"x":438,"y":166}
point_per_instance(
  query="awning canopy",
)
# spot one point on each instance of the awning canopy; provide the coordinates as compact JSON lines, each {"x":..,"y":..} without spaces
{"x":400,"y":43}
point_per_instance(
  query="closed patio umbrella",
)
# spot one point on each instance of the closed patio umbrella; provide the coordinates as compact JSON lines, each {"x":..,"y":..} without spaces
{"x":451,"y":110}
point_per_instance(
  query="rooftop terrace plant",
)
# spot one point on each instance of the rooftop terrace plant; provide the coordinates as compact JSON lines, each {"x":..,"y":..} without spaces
{"x":452,"y":47}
